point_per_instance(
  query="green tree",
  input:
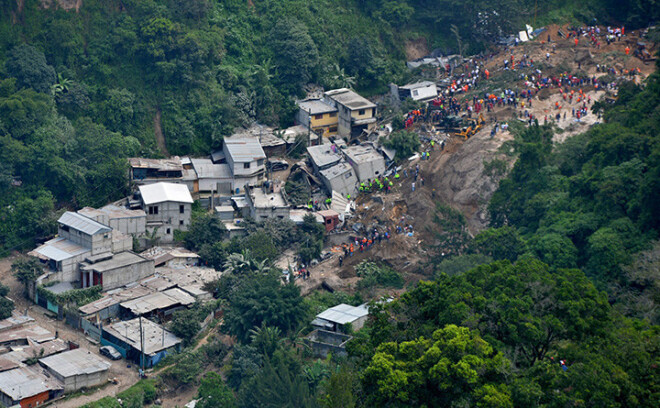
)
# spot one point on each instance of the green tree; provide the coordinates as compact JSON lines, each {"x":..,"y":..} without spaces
{"x":185,"y":324}
{"x":500,"y":243}
{"x":455,"y":367}
{"x":6,"y":305}
{"x":261,"y":247}
{"x":264,"y":300}
{"x":26,"y":270}
{"x":296,"y":54}
{"x":205,"y":229}
{"x":29,"y":66}
{"x":405,"y":144}
{"x":213,"y":392}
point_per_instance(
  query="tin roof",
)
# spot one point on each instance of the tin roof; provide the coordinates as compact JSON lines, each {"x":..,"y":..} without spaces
{"x":82,"y":223}
{"x":205,"y":168}
{"x":171,"y":164}
{"x":158,"y":301}
{"x":155,"y":337}
{"x":25,"y":382}
{"x":343,"y":313}
{"x":58,"y":249}
{"x":244,"y":150}
{"x":75,"y":362}
{"x":119,"y":260}
{"x":162,"y":192}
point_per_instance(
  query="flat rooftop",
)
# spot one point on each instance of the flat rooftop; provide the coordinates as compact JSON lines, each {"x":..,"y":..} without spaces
{"x":75,"y":362}
{"x":316,"y":106}
{"x":417,"y":85}
{"x":262,"y":199}
{"x":155,"y":337}
{"x":337,"y":170}
{"x":112,"y":212}
{"x":120,"y":260}
{"x":350,"y":99}
{"x":362,"y":154}
{"x":324,"y":155}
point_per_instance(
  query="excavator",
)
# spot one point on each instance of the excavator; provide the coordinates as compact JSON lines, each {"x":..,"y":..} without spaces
{"x":643,"y":53}
{"x":474,"y":125}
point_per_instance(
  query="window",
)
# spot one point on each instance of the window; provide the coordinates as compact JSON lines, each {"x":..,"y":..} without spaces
{"x":348,"y":175}
{"x":153,"y":210}
{"x":361,"y":112}
{"x":180,"y":222}
{"x":182,"y":209}
{"x":246,"y":165}
{"x":318,"y":117}
{"x":415,"y":93}
{"x":333,"y":114}
{"x":332,"y":129}
{"x":260,"y":162}
{"x":65,"y":228}
{"x":168,"y":231}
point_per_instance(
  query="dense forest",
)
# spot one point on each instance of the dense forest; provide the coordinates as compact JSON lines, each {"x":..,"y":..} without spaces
{"x":555,"y":305}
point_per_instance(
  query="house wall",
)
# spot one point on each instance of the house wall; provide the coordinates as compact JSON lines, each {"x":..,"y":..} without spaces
{"x":241,"y":182}
{"x":68,"y":270}
{"x":122,"y":245}
{"x":121,"y":276}
{"x":368,"y":170}
{"x":129,"y":225}
{"x":368,"y":113}
{"x":169,"y":213}
{"x":76,"y":382}
{"x":35,"y":400}
{"x":341,"y":184}
{"x":344,"y":122}
{"x":264,"y":213}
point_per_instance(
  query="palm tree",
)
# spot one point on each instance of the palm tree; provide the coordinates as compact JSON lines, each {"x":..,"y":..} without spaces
{"x":265,"y":338}
{"x":62,"y":85}
{"x":342,"y":79}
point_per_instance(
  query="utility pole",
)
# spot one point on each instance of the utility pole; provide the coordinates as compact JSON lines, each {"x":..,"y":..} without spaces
{"x":141,"y":346}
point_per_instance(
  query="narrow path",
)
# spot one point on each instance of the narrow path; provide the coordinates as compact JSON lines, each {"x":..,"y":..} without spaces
{"x":160,"y":138}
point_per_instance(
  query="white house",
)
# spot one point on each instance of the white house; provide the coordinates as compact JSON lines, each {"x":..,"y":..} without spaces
{"x":246,"y":160}
{"x":340,"y":178}
{"x":419,"y":91}
{"x":168,"y":208}
{"x":366,"y":161}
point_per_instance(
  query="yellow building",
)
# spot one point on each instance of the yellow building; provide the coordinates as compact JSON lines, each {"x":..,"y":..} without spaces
{"x":318,"y":115}
{"x":355,"y":112}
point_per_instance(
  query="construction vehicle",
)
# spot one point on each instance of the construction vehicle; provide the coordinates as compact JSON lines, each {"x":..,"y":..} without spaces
{"x":643,"y":53}
{"x":473,"y":126}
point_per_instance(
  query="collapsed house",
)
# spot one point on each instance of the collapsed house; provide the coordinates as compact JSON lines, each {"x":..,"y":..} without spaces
{"x":423,"y":91}
{"x":264,"y":204}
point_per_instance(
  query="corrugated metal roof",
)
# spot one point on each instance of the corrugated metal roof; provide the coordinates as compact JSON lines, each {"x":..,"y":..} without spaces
{"x":75,"y":362}
{"x":58,"y":249}
{"x":82,"y":223}
{"x":171,"y":164}
{"x":158,"y":300}
{"x":205,"y":168}
{"x":162,"y":192}
{"x":24,"y":382}
{"x":155,"y":337}
{"x":343,"y":313}
{"x":244,"y":150}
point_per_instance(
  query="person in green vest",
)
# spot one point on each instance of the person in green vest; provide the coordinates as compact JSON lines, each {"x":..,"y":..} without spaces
{"x":348,"y":196}
{"x":328,"y":200}
{"x":396,"y":176}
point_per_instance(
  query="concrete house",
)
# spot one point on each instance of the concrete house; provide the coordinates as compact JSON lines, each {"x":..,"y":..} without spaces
{"x":330,"y":334}
{"x":78,"y":238}
{"x":118,"y":218}
{"x":113,"y":271}
{"x":168,"y":208}
{"x":246,"y":160}
{"x":264,"y":204}
{"x":340,"y":178}
{"x":319,"y":116}
{"x":323,"y":156}
{"x":355,"y":113}
{"x":77,"y":369}
{"x":367,"y":162}
{"x":420,"y":91}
